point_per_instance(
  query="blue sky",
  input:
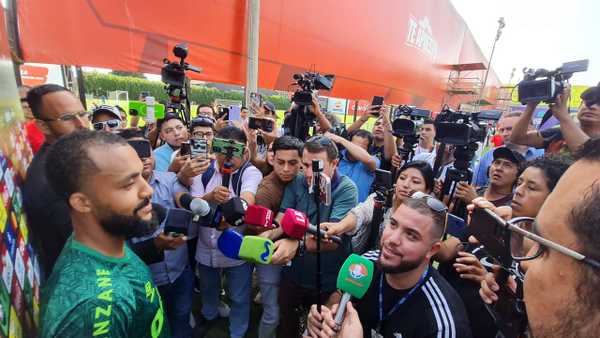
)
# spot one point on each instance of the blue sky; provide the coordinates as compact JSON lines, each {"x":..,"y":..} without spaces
{"x":538,"y":34}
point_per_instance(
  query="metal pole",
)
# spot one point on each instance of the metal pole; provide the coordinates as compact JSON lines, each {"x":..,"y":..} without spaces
{"x":253,"y":9}
{"x":501,"y":25}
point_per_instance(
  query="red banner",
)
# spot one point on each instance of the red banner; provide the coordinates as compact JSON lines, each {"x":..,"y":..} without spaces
{"x":390,"y":48}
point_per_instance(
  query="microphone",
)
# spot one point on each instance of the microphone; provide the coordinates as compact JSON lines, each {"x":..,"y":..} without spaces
{"x":353,"y":280}
{"x":249,"y":248}
{"x":259,"y":216}
{"x":197,"y":206}
{"x":295,"y":224}
{"x":227,"y":170}
{"x":234,"y":210}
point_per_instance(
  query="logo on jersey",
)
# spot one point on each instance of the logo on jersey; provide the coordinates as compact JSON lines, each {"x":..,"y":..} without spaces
{"x":358,"y":271}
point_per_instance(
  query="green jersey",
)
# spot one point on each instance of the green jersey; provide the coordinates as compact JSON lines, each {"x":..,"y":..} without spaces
{"x":92,"y":295}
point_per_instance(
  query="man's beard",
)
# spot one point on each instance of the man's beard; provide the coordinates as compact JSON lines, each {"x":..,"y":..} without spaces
{"x":404,"y":265}
{"x":125,"y":225}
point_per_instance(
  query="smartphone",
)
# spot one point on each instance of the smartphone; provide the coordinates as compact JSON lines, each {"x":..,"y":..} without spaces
{"x":262,"y":124}
{"x":199,"y":148}
{"x":185,"y":149}
{"x":142,"y":147}
{"x":377,"y":101}
{"x":224,"y":112}
{"x":383,"y":178}
{"x":178,"y":221}
{"x":491,"y":231}
{"x":456,"y":226}
{"x":234,"y":113}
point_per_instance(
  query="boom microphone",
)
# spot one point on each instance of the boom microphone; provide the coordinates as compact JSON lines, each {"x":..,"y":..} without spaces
{"x":295,"y":224}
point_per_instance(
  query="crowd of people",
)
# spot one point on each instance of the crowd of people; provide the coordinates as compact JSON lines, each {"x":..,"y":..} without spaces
{"x":94,"y":189}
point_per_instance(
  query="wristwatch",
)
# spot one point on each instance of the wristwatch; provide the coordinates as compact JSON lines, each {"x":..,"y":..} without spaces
{"x":301,"y":248}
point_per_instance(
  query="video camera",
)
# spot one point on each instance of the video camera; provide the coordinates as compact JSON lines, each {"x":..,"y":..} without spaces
{"x":300,"y":119}
{"x":177,"y":83}
{"x":459,"y":128}
{"x":544,"y":85}
{"x":404,"y":126}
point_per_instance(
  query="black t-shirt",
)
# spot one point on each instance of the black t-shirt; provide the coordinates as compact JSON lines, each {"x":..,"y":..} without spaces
{"x":433,"y":310}
{"x":380,"y":154}
{"x":482,"y":323}
{"x":48,"y":214}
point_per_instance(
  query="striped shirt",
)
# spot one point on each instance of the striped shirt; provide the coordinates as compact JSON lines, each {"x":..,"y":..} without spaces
{"x":433,"y":310}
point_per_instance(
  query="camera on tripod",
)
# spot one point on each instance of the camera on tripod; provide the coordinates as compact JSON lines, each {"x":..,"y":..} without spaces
{"x":541,"y":85}
{"x":405,"y":122}
{"x":177,"y":83}
{"x":309,"y":82}
{"x":300,"y":119}
{"x":459,"y":128}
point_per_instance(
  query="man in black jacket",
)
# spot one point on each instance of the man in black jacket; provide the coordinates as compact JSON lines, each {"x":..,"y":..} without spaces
{"x":407,"y":297}
{"x":57,"y":113}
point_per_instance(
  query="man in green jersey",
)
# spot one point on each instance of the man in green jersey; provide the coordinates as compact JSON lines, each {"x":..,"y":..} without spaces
{"x":99,"y":287}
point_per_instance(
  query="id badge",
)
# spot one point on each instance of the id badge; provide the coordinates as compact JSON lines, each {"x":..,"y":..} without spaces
{"x":375,"y":334}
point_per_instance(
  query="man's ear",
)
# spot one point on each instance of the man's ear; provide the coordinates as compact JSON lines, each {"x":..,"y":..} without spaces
{"x":80,"y":202}
{"x":435,"y":248}
{"x":335,"y":162}
{"x":43,"y":127}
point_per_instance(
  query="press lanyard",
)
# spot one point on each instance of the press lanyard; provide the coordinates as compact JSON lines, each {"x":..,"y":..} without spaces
{"x":401,"y":301}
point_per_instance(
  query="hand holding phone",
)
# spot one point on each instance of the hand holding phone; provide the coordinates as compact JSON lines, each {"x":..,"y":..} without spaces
{"x":376,"y":105}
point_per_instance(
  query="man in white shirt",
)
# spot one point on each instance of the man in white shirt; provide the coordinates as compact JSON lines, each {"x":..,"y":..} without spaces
{"x":243,"y":183}
{"x":425,"y":150}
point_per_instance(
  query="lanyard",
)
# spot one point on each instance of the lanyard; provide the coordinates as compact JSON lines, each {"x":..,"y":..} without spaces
{"x":401,"y":301}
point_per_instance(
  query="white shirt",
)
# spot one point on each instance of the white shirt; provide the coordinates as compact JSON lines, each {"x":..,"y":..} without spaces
{"x":207,"y":251}
{"x":421,"y":154}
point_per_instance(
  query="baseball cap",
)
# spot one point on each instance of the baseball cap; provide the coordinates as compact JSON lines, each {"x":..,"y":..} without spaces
{"x":509,"y":154}
{"x":269,"y":106}
{"x":106,"y":109}
{"x":591,"y":95}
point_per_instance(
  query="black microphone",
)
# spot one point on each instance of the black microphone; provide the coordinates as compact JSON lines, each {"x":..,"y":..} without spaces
{"x":196,"y":205}
{"x":234,"y":211}
{"x":227,"y":170}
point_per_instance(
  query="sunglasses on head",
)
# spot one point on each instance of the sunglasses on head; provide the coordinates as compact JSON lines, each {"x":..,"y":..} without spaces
{"x":110,"y":124}
{"x":434,"y":204}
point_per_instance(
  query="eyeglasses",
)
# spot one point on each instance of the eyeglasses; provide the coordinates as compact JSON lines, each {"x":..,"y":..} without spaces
{"x":111,"y":124}
{"x":433,"y":204}
{"x":523,"y":228}
{"x":204,"y":135}
{"x":70,"y":117}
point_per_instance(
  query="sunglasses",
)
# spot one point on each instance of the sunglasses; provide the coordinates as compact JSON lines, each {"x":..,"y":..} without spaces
{"x":110,"y":124}
{"x":434,"y":204}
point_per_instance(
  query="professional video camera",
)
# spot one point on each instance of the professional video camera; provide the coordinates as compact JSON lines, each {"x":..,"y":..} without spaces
{"x":404,"y":126}
{"x":462,"y":130}
{"x":544,"y":85}
{"x":300,"y":119}
{"x":177,"y":83}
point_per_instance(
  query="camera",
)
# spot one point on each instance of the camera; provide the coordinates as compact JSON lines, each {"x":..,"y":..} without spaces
{"x":298,"y":121}
{"x":459,"y":128}
{"x":404,"y":125}
{"x":544,"y":85}
{"x":177,"y":83}
{"x":309,"y":82}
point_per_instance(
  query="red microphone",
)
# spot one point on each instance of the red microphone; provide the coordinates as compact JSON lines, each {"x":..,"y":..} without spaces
{"x":259,"y":216}
{"x":295,"y":224}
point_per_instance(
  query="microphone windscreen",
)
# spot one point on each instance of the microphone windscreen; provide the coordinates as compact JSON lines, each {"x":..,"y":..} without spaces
{"x":259,"y":216}
{"x":199,"y":207}
{"x":229,"y":243}
{"x":256,"y":249}
{"x":294,"y":223}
